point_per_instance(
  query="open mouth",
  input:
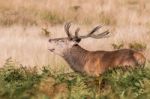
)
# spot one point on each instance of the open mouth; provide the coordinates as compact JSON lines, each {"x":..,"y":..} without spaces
{"x":51,"y":50}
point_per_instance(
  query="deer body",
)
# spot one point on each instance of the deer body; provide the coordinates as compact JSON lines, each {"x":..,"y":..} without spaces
{"x":93,"y":63}
{"x":97,"y":62}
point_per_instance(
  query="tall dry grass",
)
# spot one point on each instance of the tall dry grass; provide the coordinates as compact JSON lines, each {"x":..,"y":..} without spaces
{"x":108,"y":12}
{"x":21,"y":21}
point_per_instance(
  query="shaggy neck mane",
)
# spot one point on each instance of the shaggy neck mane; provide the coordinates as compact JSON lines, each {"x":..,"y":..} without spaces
{"x":76,"y":57}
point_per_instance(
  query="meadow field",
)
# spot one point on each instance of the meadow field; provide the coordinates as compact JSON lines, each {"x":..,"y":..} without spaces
{"x":27,"y":65}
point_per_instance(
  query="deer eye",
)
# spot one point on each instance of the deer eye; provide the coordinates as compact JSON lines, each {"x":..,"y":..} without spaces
{"x":63,"y":41}
{"x":59,"y":40}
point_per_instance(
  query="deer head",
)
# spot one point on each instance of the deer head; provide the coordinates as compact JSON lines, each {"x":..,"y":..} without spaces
{"x":60,"y":45}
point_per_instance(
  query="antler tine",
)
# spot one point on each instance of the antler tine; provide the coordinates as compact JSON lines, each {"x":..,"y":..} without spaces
{"x":67,"y":27}
{"x":96,"y":36}
{"x":94,"y":30}
{"x":101,"y":35}
{"x":78,"y":38}
{"x":77,"y":32}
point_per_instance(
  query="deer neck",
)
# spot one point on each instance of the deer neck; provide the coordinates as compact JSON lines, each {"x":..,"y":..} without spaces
{"x":76,"y":57}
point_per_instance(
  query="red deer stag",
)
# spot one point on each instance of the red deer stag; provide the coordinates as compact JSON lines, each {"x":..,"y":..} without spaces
{"x":93,"y":63}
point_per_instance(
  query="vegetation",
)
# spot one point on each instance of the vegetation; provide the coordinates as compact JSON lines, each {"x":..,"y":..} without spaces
{"x":137,"y":46}
{"x":23,"y":36}
{"x":55,"y":12}
{"x":117,"y":46}
{"x":24,"y":25}
{"x":18,"y":82}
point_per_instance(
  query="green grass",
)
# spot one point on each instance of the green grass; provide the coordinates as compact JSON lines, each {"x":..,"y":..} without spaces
{"x":18,"y":82}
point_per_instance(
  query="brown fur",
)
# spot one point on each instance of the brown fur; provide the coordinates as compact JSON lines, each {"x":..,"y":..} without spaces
{"x":95,"y":63}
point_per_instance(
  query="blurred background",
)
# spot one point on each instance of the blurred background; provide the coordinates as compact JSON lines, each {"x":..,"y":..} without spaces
{"x":26,"y":26}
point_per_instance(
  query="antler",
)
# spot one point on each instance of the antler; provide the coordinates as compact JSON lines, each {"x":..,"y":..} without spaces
{"x":77,"y":37}
{"x":92,"y":35}
{"x":67,"y":27}
{"x":94,"y":30}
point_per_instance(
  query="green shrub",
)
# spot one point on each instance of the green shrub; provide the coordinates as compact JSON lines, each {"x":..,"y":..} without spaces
{"x":137,"y":46}
{"x":117,"y":46}
{"x":118,"y":83}
{"x":18,"y":82}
